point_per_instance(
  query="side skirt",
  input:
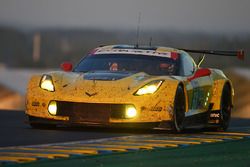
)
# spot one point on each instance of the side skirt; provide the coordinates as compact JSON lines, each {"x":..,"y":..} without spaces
{"x":197,"y":120}
{"x":206,"y":119}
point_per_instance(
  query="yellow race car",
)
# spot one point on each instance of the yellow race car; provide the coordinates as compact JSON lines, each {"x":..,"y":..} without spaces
{"x":133,"y":86}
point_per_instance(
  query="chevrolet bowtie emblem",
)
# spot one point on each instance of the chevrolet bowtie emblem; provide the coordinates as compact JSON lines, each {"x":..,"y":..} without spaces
{"x":90,"y":94}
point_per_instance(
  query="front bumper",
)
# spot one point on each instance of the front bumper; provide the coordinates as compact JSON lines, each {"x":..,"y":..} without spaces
{"x":103,"y":108}
{"x":149,"y":108}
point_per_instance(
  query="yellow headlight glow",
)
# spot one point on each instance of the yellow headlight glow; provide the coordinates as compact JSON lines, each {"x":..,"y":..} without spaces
{"x":47,"y":83}
{"x":52,"y":108}
{"x":130,"y":112}
{"x":150,"y":88}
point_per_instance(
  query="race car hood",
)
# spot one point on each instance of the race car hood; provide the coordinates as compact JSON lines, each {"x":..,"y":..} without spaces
{"x":106,"y":76}
{"x":102,"y":84}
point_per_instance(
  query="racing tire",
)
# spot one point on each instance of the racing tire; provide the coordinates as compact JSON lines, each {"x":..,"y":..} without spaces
{"x":226,"y":108}
{"x":35,"y":125}
{"x":179,"y":110}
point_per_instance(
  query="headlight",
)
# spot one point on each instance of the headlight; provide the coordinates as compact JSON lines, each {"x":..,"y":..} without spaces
{"x":47,"y":83}
{"x":150,"y":88}
{"x":52,"y":108}
{"x":130,"y":111}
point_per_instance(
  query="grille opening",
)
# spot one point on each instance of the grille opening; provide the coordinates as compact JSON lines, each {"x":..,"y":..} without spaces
{"x":91,"y":112}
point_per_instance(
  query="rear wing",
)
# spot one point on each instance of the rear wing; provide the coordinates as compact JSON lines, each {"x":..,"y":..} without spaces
{"x":240,"y":54}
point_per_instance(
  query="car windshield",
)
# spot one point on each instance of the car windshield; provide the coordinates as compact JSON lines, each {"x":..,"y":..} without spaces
{"x":152,"y":65}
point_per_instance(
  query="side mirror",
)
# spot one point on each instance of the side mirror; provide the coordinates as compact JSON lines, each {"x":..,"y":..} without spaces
{"x":202,"y":72}
{"x":67,"y":66}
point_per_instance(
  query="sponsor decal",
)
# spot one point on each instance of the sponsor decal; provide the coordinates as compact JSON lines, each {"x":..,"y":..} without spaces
{"x":215,"y":115}
{"x":156,"y":109}
{"x":134,"y":51}
{"x":35,"y":103}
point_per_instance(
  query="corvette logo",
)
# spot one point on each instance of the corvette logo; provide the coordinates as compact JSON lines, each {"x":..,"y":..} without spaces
{"x":90,"y":94}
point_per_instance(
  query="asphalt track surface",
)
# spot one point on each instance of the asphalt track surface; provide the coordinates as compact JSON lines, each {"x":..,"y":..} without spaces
{"x":15,"y":132}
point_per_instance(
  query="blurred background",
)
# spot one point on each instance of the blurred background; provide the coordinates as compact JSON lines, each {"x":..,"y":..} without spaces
{"x":37,"y":36}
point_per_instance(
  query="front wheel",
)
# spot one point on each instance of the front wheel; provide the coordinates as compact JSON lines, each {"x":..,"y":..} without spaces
{"x":179,"y":110}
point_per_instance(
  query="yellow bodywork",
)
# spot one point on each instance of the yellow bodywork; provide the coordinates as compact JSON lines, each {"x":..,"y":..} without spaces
{"x":157,"y":107}
{"x":72,"y":87}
